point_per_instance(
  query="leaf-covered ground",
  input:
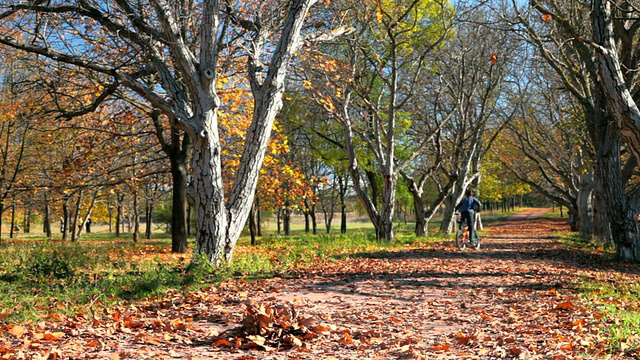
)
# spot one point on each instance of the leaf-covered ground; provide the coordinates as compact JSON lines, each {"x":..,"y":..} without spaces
{"x":514,"y":298}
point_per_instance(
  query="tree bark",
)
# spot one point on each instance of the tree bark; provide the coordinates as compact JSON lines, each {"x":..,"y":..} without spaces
{"x":119,"y":200}
{"x":76,"y":217}
{"x":47,"y":216}
{"x":136,"y":218}
{"x":623,"y":107}
{"x":13,"y":219}
{"x":178,"y":205}
{"x":585,"y":207}
{"x":66,"y":217}
{"x":252,"y":225}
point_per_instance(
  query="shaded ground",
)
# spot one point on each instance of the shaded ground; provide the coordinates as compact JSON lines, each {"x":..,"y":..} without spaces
{"x":511,"y":299}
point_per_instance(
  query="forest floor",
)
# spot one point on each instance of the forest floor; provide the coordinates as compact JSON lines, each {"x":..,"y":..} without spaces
{"x":514,"y":298}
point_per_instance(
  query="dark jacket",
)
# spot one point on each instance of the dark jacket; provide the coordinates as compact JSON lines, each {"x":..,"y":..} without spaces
{"x":470,"y":203}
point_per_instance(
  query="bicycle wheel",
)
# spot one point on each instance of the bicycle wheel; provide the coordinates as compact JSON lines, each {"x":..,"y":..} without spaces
{"x":476,"y":241}
{"x":461,"y":239}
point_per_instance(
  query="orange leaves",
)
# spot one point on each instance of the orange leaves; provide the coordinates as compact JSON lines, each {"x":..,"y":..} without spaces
{"x":565,"y":305}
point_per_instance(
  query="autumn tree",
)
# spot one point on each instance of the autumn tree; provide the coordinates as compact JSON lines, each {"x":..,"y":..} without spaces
{"x":367,"y":83}
{"x":547,"y":147}
{"x":126,"y":43}
{"x":479,"y":81}
{"x":578,"y":62}
{"x":19,"y":111}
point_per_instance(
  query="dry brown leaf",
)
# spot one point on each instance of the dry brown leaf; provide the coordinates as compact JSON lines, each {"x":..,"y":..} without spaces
{"x":17,"y":331}
{"x":292,"y":340}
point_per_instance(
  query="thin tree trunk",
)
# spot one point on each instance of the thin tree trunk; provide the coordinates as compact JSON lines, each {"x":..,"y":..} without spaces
{"x":343,"y":206}
{"x":13,"y":219}
{"x":252,"y":225}
{"x":65,"y":217}
{"x":148,"y":231}
{"x":84,"y":223}
{"x":47,"y":216}
{"x":179,"y":221}
{"x":314,"y":222}
{"x":75,"y":231}
{"x":136,"y":218}
{"x":119,"y":200}
{"x":258,"y":216}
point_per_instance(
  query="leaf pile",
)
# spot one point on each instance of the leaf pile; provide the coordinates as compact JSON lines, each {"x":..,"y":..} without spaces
{"x":274,"y":325}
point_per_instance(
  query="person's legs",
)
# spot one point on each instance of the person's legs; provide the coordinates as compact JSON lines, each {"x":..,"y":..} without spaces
{"x":470,"y":223}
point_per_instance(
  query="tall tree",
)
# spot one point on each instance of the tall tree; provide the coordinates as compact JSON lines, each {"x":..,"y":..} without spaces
{"x":366,"y":87}
{"x":479,"y":81}
{"x":562,"y":33}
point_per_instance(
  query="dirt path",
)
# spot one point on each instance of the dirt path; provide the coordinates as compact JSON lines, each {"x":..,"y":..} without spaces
{"x":511,"y":299}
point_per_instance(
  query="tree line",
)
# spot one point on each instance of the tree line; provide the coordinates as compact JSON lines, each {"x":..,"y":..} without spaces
{"x":236,"y":107}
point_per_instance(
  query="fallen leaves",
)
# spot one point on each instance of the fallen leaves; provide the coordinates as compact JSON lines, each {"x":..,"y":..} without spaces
{"x":272,"y":325}
{"x":420,"y":303}
{"x":17,"y":331}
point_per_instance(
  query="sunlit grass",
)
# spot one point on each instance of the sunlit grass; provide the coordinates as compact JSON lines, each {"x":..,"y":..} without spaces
{"x":619,"y":302}
{"x":40,"y":276}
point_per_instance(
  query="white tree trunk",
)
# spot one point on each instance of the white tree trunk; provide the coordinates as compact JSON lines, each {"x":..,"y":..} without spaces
{"x":623,"y":107}
{"x":209,"y":205}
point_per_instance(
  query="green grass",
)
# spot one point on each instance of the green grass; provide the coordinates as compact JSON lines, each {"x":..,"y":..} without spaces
{"x":39,"y":277}
{"x":618,"y":300}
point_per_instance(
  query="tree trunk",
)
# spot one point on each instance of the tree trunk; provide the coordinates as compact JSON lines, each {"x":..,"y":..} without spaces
{"x":189,"y":219}
{"x":179,"y":206}
{"x":585,"y":208}
{"x":149,"y":220}
{"x":13,"y":219}
{"x":620,"y":213}
{"x":307,"y":222}
{"x":623,"y":107}
{"x":209,"y":206}
{"x":252,"y":225}
{"x":418,"y":207}
{"x":385,"y":230}
{"x":66,"y":217}
{"x":119,"y":200}
{"x":1,"y":213}
{"x":343,"y":205}
{"x":446,"y":227}
{"x":27,"y":220}
{"x":76,"y":216}
{"x":279,"y":220}
{"x":286,"y":220}
{"x":601,"y":226}
{"x":314,"y":222}
{"x":258,"y":216}
{"x":85,"y":222}
{"x":47,"y":216}
{"x":136,"y":218}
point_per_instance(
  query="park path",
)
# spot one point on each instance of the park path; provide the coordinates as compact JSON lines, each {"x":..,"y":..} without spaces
{"x":512,"y":299}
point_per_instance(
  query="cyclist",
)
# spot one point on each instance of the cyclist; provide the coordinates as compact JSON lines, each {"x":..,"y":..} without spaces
{"x":468,"y":208}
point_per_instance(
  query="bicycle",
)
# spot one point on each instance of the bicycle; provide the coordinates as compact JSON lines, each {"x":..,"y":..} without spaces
{"x":462,"y":235}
